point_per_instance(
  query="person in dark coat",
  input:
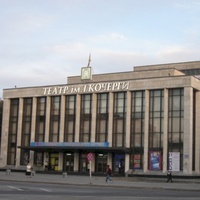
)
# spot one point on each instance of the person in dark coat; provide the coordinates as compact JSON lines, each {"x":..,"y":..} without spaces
{"x":169,"y":176}
{"x":108,"y":174}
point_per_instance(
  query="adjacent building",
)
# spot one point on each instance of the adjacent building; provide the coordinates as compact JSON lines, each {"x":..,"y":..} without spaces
{"x":143,"y":120}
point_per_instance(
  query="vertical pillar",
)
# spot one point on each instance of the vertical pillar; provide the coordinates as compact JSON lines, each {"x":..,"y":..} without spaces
{"x":146,"y":131}
{"x":110,"y":126}
{"x":197,"y":133}
{"x":62,"y":119}
{"x":19,"y":132}
{"x":94,"y":114}
{"x":128,"y":130}
{"x":188,"y":130}
{"x":78,"y":114}
{"x":33,"y":124}
{"x":77,"y":130}
{"x":4,"y":135}
{"x":47,"y":122}
{"x":110,"y":120}
{"x":33,"y":120}
{"x":165,"y":134}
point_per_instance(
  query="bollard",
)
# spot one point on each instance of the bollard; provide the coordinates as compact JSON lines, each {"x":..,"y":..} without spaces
{"x":64,"y":174}
{"x":32,"y":173}
{"x":8,"y":172}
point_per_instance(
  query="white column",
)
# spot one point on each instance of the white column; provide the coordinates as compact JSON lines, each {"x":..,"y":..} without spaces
{"x":165,"y":134}
{"x":110,"y":126}
{"x":33,"y":119}
{"x":19,"y":132}
{"x":94,"y":115}
{"x":197,"y":133}
{"x":146,"y":131}
{"x":5,"y":129}
{"x":110,"y":120}
{"x":188,"y":130}
{"x":128,"y":131}
{"x":47,"y":122}
{"x":77,"y":130}
{"x":78,"y":114}
{"x":33,"y":124}
{"x":62,"y":119}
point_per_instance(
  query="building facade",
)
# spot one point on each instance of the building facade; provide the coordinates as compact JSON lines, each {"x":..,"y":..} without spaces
{"x":143,"y":120}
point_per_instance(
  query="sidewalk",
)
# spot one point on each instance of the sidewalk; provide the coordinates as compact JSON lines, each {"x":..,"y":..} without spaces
{"x":131,"y":182}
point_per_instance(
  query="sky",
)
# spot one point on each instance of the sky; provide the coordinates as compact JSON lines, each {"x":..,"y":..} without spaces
{"x":42,"y":42}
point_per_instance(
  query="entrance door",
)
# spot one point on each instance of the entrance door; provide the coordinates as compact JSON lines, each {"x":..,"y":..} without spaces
{"x":101,"y":162}
{"x":119,"y":163}
{"x":68,"y":162}
{"x":84,"y":163}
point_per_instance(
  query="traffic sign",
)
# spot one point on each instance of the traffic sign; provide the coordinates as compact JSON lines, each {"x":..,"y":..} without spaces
{"x":90,"y":156}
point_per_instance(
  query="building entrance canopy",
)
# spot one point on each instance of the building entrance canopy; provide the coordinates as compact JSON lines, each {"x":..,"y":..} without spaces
{"x":76,"y":147}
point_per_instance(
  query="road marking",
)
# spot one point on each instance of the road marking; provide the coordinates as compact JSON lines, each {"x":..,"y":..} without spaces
{"x":15,"y":188}
{"x":46,"y":190}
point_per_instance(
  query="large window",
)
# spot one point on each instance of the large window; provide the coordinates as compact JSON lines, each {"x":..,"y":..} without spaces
{"x":156,"y":119}
{"x":40,"y":119}
{"x":12,"y":133}
{"x":137,"y":128}
{"x":86,"y":117}
{"x":102,"y":118}
{"x":119,"y":121}
{"x":70,"y":116}
{"x":176,"y":122}
{"x":54,"y":119}
{"x":26,"y":129}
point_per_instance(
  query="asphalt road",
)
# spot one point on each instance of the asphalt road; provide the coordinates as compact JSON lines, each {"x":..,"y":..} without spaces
{"x":10,"y":190}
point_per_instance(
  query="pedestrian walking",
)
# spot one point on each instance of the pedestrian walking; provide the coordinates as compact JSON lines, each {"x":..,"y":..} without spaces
{"x":169,"y":176}
{"x":108,"y":174}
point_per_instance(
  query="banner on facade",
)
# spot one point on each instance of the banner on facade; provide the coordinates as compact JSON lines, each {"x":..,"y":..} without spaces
{"x":174,"y":161}
{"x":136,"y":161}
{"x":155,"y":158}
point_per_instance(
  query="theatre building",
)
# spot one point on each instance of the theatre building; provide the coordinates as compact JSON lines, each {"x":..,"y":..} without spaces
{"x":146,"y":120}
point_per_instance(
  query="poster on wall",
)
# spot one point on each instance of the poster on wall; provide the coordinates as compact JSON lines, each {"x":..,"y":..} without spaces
{"x":174,"y":161}
{"x":155,"y":160}
{"x":136,"y":161}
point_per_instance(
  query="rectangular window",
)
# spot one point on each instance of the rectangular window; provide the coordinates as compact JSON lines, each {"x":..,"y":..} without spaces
{"x":54,"y":119}
{"x":12,"y":132}
{"x":156,"y":117}
{"x":70,"y":116}
{"x":119,"y":120}
{"x":86,"y":117}
{"x":176,"y":124}
{"x":137,"y":128}
{"x":40,"y":119}
{"x":26,"y":129}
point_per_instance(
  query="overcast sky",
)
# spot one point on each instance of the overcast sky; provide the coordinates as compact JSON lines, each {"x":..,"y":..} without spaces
{"x":42,"y":42}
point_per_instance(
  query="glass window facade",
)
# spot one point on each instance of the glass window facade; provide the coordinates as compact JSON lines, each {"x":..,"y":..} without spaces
{"x":12,"y":132}
{"x":176,"y":122}
{"x":26,"y":129}
{"x":119,"y":119}
{"x":70,"y":116}
{"x":102,"y":118}
{"x":156,"y":119}
{"x":40,"y":119}
{"x":54,"y":119}
{"x":137,"y":128}
{"x":86,"y":118}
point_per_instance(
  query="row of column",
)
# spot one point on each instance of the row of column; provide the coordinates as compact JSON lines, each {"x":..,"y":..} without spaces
{"x":188,"y":128}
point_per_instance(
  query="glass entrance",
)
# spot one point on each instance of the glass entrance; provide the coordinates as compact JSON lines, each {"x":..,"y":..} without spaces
{"x":68,"y":162}
{"x":119,"y":163}
{"x":84,"y":163}
{"x":101,"y":162}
